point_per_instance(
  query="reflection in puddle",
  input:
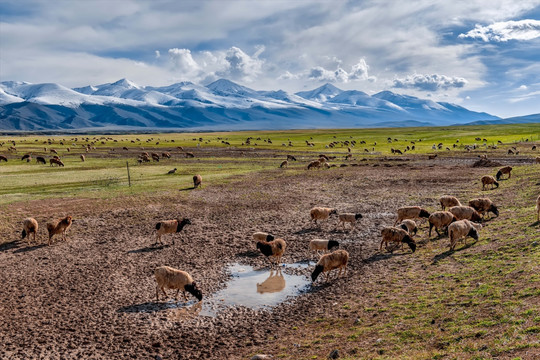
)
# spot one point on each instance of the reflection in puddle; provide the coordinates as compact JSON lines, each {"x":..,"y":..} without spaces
{"x":254,"y":289}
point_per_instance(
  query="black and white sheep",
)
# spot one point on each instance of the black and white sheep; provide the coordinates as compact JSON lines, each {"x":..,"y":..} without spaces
{"x":322,"y":245}
{"x":349,"y":218}
{"x":409,"y":226}
{"x":169,"y":227}
{"x":262,"y":236}
{"x":335,"y":260}
{"x":170,"y":278}
{"x":272,"y":249}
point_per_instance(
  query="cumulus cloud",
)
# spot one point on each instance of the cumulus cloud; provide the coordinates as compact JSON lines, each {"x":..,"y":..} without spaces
{"x":182,"y":61}
{"x":241,"y":65}
{"x":358,"y":71}
{"x":506,"y":30}
{"x":432,"y":82}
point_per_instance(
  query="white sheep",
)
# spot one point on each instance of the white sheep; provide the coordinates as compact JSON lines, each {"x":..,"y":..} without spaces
{"x":409,"y":226}
{"x":170,"y":278}
{"x":272,"y":249}
{"x":440,"y":220}
{"x":262,"y":236}
{"x":169,"y":227}
{"x":465,"y":213}
{"x":335,"y":260}
{"x":448,"y":201}
{"x":322,"y":245}
{"x":349,"y":218}
{"x":396,"y":235}
{"x":30,"y":226}
{"x":321,"y":213}
{"x":410,"y":212}
{"x":462,"y":229}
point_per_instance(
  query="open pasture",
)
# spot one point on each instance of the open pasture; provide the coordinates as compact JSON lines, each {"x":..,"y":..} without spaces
{"x":93,"y":296}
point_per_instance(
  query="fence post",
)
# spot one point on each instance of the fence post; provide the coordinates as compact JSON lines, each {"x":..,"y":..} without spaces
{"x":129,"y":177}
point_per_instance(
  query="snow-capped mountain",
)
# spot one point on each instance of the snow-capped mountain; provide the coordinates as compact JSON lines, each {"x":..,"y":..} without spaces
{"x":221,"y":105}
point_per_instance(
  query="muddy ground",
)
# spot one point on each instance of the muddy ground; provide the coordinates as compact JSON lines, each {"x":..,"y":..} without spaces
{"x":93,"y":297}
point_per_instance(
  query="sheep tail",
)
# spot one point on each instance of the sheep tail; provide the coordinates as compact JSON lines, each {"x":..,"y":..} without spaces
{"x":23,"y":234}
{"x":158,"y":226}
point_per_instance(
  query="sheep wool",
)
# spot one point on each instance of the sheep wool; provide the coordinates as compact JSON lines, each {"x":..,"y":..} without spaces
{"x":410,"y":212}
{"x":272,"y":249}
{"x":322,"y":245}
{"x":461,"y":229}
{"x":465,"y":213}
{"x":447,"y":201}
{"x":440,"y":220}
{"x":59,"y":226}
{"x":30,"y":226}
{"x":483,"y":206}
{"x":396,"y":235}
{"x":262,"y":236}
{"x":170,"y":278}
{"x":335,"y":260}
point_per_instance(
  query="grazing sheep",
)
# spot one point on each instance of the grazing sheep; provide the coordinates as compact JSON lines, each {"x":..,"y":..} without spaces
{"x":537,"y":159}
{"x":449,"y":201}
{"x":166,"y":155}
{"x":504,"y":170}
{"x":83,"y":158}
{"x":462,"y":229}
{"x":3,"y":158}
{"x":285,"y":163}
{"x":396,"y":235}
{"x":349,"y":218}
{"x":483,"y":206}
{"x":40,"y":159}
{"x":58,"y":162}
{"x":431,"y":157}
{"x":190,"y":155}
{"x":272,"y":249}
{"x":440,"y":220}
{"x":314,"y":164}
{"x":465,"y":213}
{"x":410,"y":212}
{"x":489,"y":180}
{"x":30,"y":226}
{"x":290,"y":157}
{"x":171,"y":171}
{"x":59,"y":226}
{"x":538,"y":208}
{"x":322,"y":245}
{"x":321,"y":213}
{"x":155,"y":157}
{"x":197,"y":181}
{"x":335,"y":260}
{"x":170,"y":278}
{"x":262,"y":236}
{"x":26,"y":156}
{"x":409,"y":226}
{"x":169,"y":227}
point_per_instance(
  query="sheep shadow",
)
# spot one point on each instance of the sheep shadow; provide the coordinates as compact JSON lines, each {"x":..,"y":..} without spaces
{"x":146,"y":249}
{"x":383,"y":256}
{"x":249,"y":254}
{"x":9,"y":245}
{"x":447,"y":253}
{"x":307,"y":231}
{"x":153,"y":306}
{"x":188,"y":188}
{"x":536,"y":223}
{"x":29,"y":248}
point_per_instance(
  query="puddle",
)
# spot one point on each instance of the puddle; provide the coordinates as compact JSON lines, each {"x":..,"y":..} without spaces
{"x":247,"y":287}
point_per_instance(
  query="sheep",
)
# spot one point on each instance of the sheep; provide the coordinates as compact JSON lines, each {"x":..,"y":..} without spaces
{"x":322,"y":245}
{"x":25,"y":157}
{"x":349,"y":218}
{"x":321,"y":213}
{"x":83,"y":158}
{"x":30,"y":226}
{"x":58,"y":162}
{"x":335,"y":260}
{"x":462,"y":229}
{"x":489,"y":180}
{"x":197,"y":181}
{"x":171,"y":171}
{"x":262,"y":236}
{"x":431,"y":157}
{"x":504,"y":170}
{"x":272,"y":249}
{"x":155,"y":157}
{"x":483,"y":206}
{"x":538,"y":208}
{"x":537,"y":159}
{"x":169,"y":227}
{"x":314,"y":164}
{"x":170,"y":278}
{"x":290,"y":157}
{"x":3,"y":158}
{"x":410,"y":212}
{"x":285,"y":163}
{"x":440,"y":220}
{"x":409,"y":226}
{"x":40,"y":159}
{"x":465,"y":213}
{"x":449,"y":201}
{"x":59,"y":226}
{"x":396,"y":235}
{"x":190,"y":155}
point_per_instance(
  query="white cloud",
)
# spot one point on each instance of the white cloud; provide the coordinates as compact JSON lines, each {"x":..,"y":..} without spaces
{"x":183,"y":62}
{"x":358,"y":71}
{"x":158,"y":54}
{"x":504,"y":31}
{"x":432,"y":82}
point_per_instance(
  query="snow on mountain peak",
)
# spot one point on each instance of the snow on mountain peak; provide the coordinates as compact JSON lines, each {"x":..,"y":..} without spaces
{"x":224,"y":86}
{"x":322,"y":93}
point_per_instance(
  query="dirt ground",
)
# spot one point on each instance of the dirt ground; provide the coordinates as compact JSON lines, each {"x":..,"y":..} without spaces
{"x":93,"y":297}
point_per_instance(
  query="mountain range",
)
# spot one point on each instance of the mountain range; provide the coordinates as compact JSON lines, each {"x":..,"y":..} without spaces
{"x":221,"y":105}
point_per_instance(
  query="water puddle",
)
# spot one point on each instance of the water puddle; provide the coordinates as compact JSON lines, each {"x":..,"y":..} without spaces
{"x":247,"y":287}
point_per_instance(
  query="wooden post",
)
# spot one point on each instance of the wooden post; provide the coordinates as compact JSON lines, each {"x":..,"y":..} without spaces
{"x":129,"y":177}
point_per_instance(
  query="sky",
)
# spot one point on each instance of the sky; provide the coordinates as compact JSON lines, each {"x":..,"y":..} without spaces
{"x":481,"y":54}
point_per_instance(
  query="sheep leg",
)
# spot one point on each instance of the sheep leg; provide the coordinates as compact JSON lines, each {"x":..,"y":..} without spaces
{"x":176,"y":296}
{"x":163,"y":289}
{"x":157,"y":292}
{"x":380,"y":247}
{"x":185,"y":297}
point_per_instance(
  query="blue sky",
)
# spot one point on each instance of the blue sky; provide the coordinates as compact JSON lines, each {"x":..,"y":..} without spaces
{"x":484,"y":55}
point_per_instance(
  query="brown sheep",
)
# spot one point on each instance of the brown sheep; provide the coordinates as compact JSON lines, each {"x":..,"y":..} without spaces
{"x":59,"y":226}
{"x":489,"y":180}
{"x":190,"y":155}
{"x":465,"y":213}
{"x":83,"y":158}
{"x":285,"y":163}
{"x":30,"y":226}
{"x":396,"y":235}
{"x":58,"y":162}
{"x":272,"y":249}
{"x":483,"y":206}
{"x":449,"y":201}
{"x":462,"y":229}
{"x":504,"y":170}
{"x":315,"y":164}
{"x":170,"y":278}
{"x":169,"y":227}
{"x":538,"y":208}
{"x":440,"y":220}
{"x":410,"y":212}
{"x":321,"y":213}
{"x":3,"y":158}
{"x":197,"y":181}
{"x":335,"y":260}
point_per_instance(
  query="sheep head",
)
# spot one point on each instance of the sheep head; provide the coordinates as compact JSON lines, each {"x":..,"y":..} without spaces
{"x":473,"y":233}
{"x":193,"y":290}
{"x":476,"y":217}
{"x":358,"y":216}
{"x":315,"y":274}
{"x":332,"y":244}
{"x":424,"y":214}
{"x":409,"y":241}
{"x":494,"y":210}
{"x":499,"y":174}
{"x":496,"y":184}
{"x":269,"y":237}
{"x":333,"y":212}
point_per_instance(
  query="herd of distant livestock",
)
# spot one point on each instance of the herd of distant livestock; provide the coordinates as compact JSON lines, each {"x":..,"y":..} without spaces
{"x":456,"y":220}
